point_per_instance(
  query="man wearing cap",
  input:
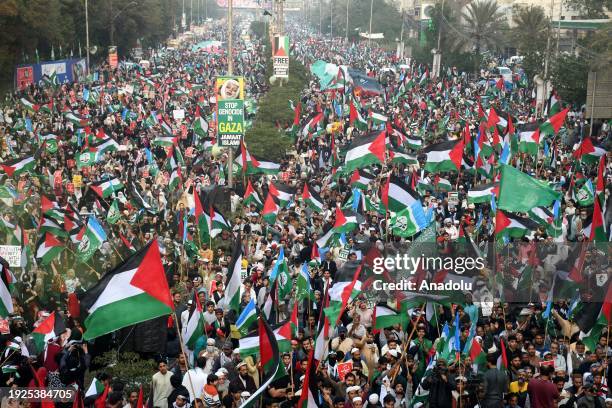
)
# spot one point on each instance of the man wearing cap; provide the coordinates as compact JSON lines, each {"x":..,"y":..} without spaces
{"x":342,"y":342}
{"x":243,"y":381}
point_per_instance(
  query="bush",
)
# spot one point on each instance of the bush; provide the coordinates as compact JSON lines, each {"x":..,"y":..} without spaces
{"x":128,"y":367}
{"x":264,"y":139}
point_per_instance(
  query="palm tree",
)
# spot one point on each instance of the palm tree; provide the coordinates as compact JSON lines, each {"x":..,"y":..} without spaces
{"x":484,"y":22}
{"x":529,"y":26}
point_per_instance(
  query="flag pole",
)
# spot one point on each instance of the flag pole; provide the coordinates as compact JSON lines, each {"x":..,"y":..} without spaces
{"x":88,"y":265}
{"x":414,"y":326}
{"x":180,"y":335}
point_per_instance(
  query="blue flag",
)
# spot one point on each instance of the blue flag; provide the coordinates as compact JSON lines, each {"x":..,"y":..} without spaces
{"x":279,"y":261}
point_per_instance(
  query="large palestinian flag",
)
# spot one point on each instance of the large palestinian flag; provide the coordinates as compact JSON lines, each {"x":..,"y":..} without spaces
{"x":105,"y":189}
{"x":444,"y":156}
{"x":48,"y":248}
{"x":133,"y":292}
{"x":365,"y":151}
{"x":233,"y":283}
{"x":312,"y":199}
{"x":17,"y":166}
{"x":529,"y":138}
{"x":589,"y":152}
{"x":481,"y":193}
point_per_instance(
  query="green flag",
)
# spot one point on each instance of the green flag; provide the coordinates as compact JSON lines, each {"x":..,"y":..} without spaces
{"x":113,"y":213}
{"x":520,"y":192}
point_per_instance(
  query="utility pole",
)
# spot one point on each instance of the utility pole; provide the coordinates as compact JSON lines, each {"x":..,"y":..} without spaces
{"x":370,"y":31}
{"x":230,"y":72}
{"x":559,"y":26}
{"x":400,"y":51}
{"x":546,"y":61}
{"x":320,"y":16}
{"x":347,"y":11}
{"x":331,"y":19}
{"x":87,"y":35}
{"x":437,"y":60}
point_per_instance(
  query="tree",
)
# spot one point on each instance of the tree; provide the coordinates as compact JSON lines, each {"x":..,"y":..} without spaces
{"x":484,"y":23}
{"x":529,"y":35}
{"x":569,"y":75}
{"x":590,"y":8}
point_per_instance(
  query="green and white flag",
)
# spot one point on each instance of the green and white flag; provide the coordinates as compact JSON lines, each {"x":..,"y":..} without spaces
{"x":113,"y":213}
{"x":85,"y":159}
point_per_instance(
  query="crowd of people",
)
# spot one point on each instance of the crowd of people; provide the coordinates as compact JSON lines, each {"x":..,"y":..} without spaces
{"x":533,"y":330}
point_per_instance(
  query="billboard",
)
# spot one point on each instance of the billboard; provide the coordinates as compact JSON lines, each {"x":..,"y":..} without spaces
{"x":253,"y":4}
{"x":229,"y":91}
{"x":67,"y":70}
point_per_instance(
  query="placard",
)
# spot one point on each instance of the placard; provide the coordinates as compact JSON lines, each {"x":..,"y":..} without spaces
{"x":178,"y":114}
{"x":453,"y":197}
{"x":77,"y":180}
{"x":280,"y":60}
{"x":230,"y":110}
{"x":344,"y":369}
{"x":12,"y":254}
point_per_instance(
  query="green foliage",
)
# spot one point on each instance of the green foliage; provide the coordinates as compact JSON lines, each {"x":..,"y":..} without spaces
{"x":129,"y":367}
{"x":484,"y":22}
{"x":32,"y":25}
{"x":569,"y":76}
{"x":529,"y":37}
{"x":264,"y":139}
{"x":590,"y":8}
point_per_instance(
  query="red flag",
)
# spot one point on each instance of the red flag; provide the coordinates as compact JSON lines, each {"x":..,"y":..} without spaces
{"x":504,"y":355}
{"x":140,"y":402}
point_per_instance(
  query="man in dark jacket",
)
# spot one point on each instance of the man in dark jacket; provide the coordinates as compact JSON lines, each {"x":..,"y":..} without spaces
{"x":495,"y":384}
{"x":244,"y":382}
{"x":440,"y":385}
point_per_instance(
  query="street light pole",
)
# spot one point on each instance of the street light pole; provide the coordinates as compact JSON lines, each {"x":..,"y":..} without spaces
{"x":230,"y":72}
{"x":370,"y":32}
{"x":331,"y":19}
{"x":347,"y":10}
{"x":87,"y":35}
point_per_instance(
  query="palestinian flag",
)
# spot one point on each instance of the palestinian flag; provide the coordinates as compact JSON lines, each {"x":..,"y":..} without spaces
{"x":50,"y":328}
{"x":444,"y":156}
{"x":554,"y":123}
{"x":355,"y":118}
{"x":312,"y":199}
{"x":344,"y":223}
{"x":247,"y":317}
{"x":233,"y":282}
{"x":513,"y":225}
{"x":598,"y":230}
{"x":175,"y":179}
{"x":270,"y":209}
{"x":133,"y":292}
{"x":477,"y":354}
{"x":218,"y":222}
{"x":520,"y":192}
{"x":397,"y":195}
{"x":481,"y":193}
{"x":6,"y":287}
{"x":442,"y":184}
{"x":365,"y":151}
{"x":30,"y":106}
{"x":249,"y":344}
{"x":309,"y":397}
{"x":313,"y":124}
{"x":50,"y":225}
{"x":398,"y":157}
{"x":588,"y":152}
{"x":529,"y":138}
{"x":194,"y":329}
{"x":546,"y":219}
{"x":105,"y":189}
{"x":554,"y":104}
{"x":297,"y":111}
{"x":48,"y":248}
{"x":414,"y":143}
{"x":164,"y":141}
{"x":361,"y":179}
{"x":17,"y":166}
{"x":47,"y":107}
{"x":385,"y":316}
{"x":107,"y":144}
{"x":269,"y":360}
{"x":200,"y":127}
{"x":251,"y":197}
{"x":250,"y":165}
{"x":347,"y":287}
{"x":77,"y":120}
{"x":282,"y":192}
{"x":203,"y":220}
{"x":96,"y":394}
{"x":377,"y":118}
